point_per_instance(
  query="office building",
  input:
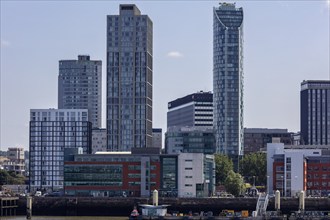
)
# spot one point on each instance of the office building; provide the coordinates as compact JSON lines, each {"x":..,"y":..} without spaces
{"x":16,"y":154}
{"x":190,"y":140}
{"x":256,"y":139}
{"x":196,"y":175}
{"x":129,"y":79}
{"x":228,"y":80}
{"x":51,"y":132}
{"x":291,"y":169}
{"x":80,"y":87}
{"x":125,"y":174}
{"x":315,"y":112}
{"x":192,"y":110}
{"x":99,"y":140}
{"x":157,"y":139}
{"x":112,"y":174}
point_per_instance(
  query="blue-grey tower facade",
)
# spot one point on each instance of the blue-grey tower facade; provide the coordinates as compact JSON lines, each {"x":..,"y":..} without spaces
{"x":228,"y":80}
{"x":129,"y":79}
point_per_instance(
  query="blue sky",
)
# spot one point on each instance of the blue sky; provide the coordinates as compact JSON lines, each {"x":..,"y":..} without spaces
{"x":285,"y":42}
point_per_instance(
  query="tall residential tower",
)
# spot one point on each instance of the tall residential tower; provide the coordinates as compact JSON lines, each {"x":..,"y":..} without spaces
{"x":315,"y":112}
{"x":80,"y":86}
{"x":129,"y":79}
{"x":228,"y":79}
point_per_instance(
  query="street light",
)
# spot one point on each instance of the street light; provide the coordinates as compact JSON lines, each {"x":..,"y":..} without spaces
{"x":297,"y":186}
{"x":254,"y":180}
{"x":282,"y":177}
{"x":267,"y":184}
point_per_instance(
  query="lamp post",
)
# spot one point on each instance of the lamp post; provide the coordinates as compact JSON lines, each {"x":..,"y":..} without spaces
{"x":267,"y":184}
{"x":297,"y":186}
{"x":254,"y":180}
{"x":282,"y":177}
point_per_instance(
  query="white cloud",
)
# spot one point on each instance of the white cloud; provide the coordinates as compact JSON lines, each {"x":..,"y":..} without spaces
{"x":174,"y":54}
{"x":5,"y":43}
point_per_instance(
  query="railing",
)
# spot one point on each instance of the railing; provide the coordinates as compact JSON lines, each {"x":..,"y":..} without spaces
{"x":262,"y":204}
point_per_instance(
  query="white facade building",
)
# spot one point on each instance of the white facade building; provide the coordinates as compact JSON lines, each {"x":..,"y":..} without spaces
{"x":51,"y":132}
{"x":289,"y":167}
{"x":196,"y":175}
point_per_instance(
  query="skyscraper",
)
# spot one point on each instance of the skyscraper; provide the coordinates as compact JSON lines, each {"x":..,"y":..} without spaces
{"x":315,"y":112}
{"x":228,"y":79}
{"x":129,"y":79}
{"x":80,"y":86}
{"x":192,"y":110}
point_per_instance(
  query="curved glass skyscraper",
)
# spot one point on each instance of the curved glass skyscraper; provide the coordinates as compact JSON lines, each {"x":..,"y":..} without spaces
{"x":228,"y":79}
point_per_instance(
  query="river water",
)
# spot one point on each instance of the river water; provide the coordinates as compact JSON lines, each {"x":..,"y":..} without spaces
{"x":66,"y":218}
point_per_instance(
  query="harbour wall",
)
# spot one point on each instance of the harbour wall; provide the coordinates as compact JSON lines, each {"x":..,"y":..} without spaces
{"x":111,"y":206}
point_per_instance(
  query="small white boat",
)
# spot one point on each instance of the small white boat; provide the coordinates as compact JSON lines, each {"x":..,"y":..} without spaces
{"x":153,"y":211}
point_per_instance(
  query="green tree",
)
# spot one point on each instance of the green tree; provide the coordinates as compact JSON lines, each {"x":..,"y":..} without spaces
{"x":10,"y":177}
{"x":4,"y":177}
{"x":234,"y":183}
{"x":223,"y":164}
{"x":254,"y":167}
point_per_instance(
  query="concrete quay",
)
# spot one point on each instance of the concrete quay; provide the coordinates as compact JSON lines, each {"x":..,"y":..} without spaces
{"x":113,"y":206}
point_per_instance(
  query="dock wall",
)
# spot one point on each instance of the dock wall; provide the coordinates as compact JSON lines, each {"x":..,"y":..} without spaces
{"x":93,"y":206}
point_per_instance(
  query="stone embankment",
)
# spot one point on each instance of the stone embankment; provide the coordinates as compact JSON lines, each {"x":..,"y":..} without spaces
{"x":92,"y":206}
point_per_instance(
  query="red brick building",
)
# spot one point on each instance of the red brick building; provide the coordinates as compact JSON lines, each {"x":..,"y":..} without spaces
{"x":119,"y":175}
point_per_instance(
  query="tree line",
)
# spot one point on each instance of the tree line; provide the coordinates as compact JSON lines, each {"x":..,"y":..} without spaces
{"x":11,"y":178}
{"x":252,"y":169}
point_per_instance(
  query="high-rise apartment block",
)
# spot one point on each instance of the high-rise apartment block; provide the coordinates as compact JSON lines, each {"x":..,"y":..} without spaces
{"x":192,"y":110}
{"x":129,"y":79}
{"x":51,"y":132}
{"x":315,"y":112}
{"x":80,"y":86}
{"x":228,"y":79}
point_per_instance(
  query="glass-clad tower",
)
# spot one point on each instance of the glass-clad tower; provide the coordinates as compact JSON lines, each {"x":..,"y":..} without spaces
{"x":129,"y":80}
{"x":228,"y":79}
